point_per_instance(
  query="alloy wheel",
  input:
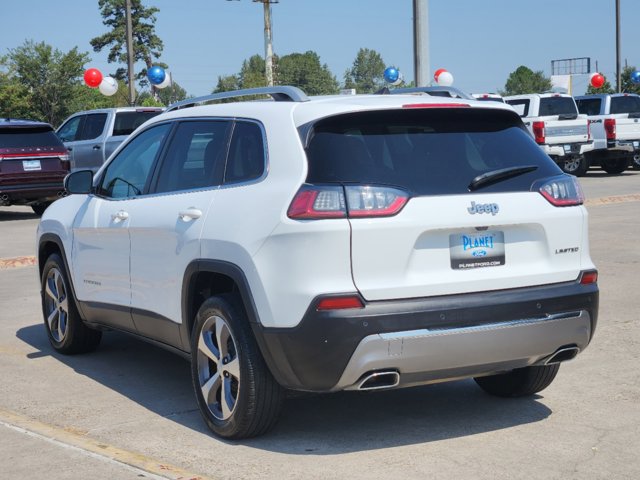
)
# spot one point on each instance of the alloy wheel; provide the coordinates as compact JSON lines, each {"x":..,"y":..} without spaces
{"x":56,"y":305}
{"x":218,"y":367}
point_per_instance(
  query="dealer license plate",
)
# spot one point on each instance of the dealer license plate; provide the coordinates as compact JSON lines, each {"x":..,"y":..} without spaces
{"x":476,"y":250}
{"x":30,"y":165}
{"x":567,"y":148}
{"x":636,"y":144}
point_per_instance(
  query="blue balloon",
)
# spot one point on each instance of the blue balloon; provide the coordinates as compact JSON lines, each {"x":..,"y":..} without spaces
{"x":635,"y":77}
{"x":156,"y":75}
{"x":391,"y":74}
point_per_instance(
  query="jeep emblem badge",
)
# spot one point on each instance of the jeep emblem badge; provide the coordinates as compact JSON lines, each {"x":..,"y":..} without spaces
{"x":491,"y":208}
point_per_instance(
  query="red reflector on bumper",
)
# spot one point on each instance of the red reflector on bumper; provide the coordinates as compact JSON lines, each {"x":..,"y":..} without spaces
{"x":588,"y":278}
{"x":338,"y":303}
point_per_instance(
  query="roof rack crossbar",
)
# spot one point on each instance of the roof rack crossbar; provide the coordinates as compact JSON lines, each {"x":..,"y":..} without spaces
{"x":278,"y":93}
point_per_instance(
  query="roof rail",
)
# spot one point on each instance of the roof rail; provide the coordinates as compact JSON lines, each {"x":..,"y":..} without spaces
{"x":278,"y":93}
{"x":437,"y":91}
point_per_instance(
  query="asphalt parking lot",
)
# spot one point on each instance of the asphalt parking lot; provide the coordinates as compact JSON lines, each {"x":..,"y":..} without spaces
{"x":127,"y":411}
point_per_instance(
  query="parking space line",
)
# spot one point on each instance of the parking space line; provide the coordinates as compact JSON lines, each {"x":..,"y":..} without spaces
{"x":137,"y":462}
{"x":17,"y":262}
{"x":632,"y":197}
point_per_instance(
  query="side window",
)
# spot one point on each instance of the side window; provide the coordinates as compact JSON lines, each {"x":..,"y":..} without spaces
{"x":127,"y":174}
{"x":69,"y":131}
{"x":195,"y":157}
{"x":520,"y":106}
{"x":246,"y":154}
{"x":93,"y":126}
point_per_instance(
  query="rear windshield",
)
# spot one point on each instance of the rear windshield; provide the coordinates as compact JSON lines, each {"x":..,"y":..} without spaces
{"x":28,"y":137}
{"x":557,"y":106}
{"x":589,"y":106}
{"x":127,"y":122}
{"x":424,"y":151}
{"x":626,"y":104}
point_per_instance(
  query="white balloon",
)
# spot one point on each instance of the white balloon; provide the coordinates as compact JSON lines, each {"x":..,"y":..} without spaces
{"x":445,"y":79}
{"x":108,"y":86}
{"x":399,"y":80}
{"x":166,"y":82}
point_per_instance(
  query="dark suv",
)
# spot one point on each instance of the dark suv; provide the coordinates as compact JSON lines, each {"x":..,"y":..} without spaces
{"x":33,"y":164}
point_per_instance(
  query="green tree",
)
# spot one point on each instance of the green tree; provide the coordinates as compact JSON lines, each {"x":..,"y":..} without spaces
{"x":305,"y":71}
{"x":147,"y":46}
{"x":227,"y":83}
{"x":49,"y":76}
{"x":524,"y":80}
{"x":367,"y":73}
{"x":252,"y":73}
{"x":15,"y":99}
{"x":606,"y":88}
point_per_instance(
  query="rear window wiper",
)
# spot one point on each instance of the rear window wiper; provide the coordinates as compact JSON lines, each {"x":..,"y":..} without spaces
{"x":496,"y":176}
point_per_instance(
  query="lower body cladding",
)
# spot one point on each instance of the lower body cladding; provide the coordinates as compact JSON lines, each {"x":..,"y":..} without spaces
{"x":404,"y":343}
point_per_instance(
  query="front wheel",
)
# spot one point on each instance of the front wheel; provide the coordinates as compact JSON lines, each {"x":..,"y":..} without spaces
{"x":614,"y":166}
{"x":577,"y":166}
{"x":636,"y":161}
{"x":237,"y":395}
{"x":519,"y":382}
{"x":66,"y":331}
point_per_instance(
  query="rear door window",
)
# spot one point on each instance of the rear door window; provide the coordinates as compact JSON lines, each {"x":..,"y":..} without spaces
{"x":424,"y":151}
{"x":589,"y":106}
{"x":71,"y":130}
{"x":195,"y":156}
{"x":246,"y":160}
{"x":520,"y":106}
{"x":93,"y":126}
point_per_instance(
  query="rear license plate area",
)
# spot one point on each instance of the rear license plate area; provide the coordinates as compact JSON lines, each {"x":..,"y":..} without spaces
{"x":476,"y":250}
{"x":31,"y":165}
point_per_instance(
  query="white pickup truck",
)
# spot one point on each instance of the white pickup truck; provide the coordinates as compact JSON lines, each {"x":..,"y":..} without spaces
{"x":615,"y":127}
{"x":555,"y":124}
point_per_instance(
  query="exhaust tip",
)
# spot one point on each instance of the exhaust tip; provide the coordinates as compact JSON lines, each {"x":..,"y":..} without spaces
{"x":562,"y":355}
{"x":379,"y":380}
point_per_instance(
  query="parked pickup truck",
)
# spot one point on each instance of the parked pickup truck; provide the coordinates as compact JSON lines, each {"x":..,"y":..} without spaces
{"x":556,"y":125}
{"x":615,"y":127}
{"x":93,"y":135}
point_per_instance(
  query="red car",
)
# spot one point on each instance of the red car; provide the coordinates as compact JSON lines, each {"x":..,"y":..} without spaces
{"x":33,"y":164}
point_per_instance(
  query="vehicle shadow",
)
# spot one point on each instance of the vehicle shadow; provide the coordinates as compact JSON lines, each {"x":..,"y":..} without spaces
{"x":329,"y":424}
{"x":7,"y":215}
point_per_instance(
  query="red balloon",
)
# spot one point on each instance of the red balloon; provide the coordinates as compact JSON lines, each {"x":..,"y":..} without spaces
{"x":597,"y":81}
{"x":92,"y":77}
{"x":437,"y":73}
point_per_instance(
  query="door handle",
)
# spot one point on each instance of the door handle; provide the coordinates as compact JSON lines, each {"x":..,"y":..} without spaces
{"x":96,"y":147}
{"x":69,"y":149}
{"x":189,"y":214}
{"x":119,"y":216}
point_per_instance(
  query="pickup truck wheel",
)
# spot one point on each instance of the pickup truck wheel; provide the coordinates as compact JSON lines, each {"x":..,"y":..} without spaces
{"x":519,"y":382}
{"x":66,"y":331}
{"x":577,"y":166}
{"x":614,"y":166}
{"x":237,"y":395}
{"x":636,"y":161}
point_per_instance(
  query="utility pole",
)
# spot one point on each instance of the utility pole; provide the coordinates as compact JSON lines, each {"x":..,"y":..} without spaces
{"x":268,"y":40}
{"x":132,"y":91}
{"x":421,"y":42}
{"x":618,"y":76}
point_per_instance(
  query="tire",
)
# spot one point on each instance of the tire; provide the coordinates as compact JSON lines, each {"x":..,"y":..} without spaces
{"x":614,"y":166}
{"x":636,"y":161}
{"x":577,"y":166}
{"x":39,"y":208}
{"x":520,"y":382}
{"x":254,"y":399}
{"x":66,"y":331}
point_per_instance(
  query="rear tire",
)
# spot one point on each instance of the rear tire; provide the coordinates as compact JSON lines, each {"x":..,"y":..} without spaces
{"x":39,"y":208}
{"x":614,"y":166}
{"x":66,"y":331}
{"x":237,"y":395}
{"x":577,"y":166}
{"x":636,"y":161}
{"x":519,"y":382}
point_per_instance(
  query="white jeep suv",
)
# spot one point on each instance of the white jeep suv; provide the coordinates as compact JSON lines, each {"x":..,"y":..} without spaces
{"x":337,"y":243}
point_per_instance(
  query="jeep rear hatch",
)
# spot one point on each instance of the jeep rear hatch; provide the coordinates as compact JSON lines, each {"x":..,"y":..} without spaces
{"x":443,"y":201}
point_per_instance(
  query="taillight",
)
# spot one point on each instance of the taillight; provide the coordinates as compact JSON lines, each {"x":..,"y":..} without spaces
{"x":589,"y":277}
{"x":64,"y":157}
{"x":340,"y":303}
{"x":538,"y":132}
{"x":588,"y":131}
{"x":563,"y":191}
{"x":610,"y":128}
{"x":317,"y":202}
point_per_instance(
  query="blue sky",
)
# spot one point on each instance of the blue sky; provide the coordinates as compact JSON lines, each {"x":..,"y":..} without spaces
{"x":479,"y":41}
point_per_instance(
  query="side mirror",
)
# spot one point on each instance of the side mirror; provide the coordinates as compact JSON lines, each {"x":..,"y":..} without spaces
{"x":79,"y":182}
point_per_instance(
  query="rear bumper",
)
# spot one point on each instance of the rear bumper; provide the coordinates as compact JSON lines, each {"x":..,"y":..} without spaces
{"x":26,"y":192}
{"x":431,"y":339}
{"x":628,"y":146}
{"x":574,"y":149}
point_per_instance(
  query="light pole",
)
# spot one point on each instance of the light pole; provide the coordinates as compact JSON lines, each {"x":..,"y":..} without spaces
{"x":618,"y":76}
{"x":421,"y":42}
{"x":268,"y":40}
{"x":130,"y":59}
